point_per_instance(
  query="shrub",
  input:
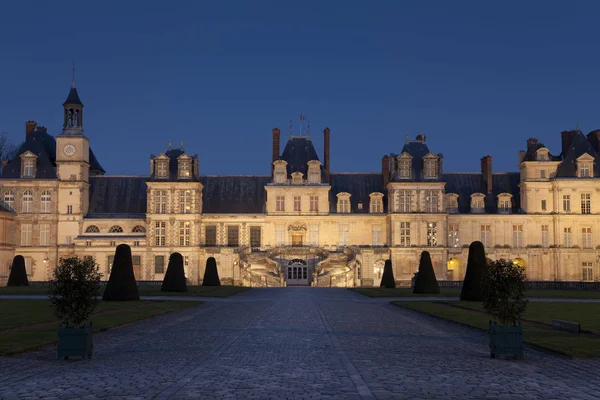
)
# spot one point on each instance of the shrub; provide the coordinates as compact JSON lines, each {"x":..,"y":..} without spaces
{"x":74,"y":290}
{"x":472,"y":289}
{"x":387,"y":279}
{"x":174,"y":280}
{"x":211,"y":275}
{"x":121,"y":284}
{"x":18,"y":273}
{"x":505,"y":287}
{"x":425,"y":281}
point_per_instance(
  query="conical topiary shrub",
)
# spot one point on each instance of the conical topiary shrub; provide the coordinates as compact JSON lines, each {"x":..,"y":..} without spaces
{"x":387,"y":280}
{"x":472,"y":289}
{"x":121,"y":285}
{"x":211,"y":275}
{"x":18,"y":273}
{"x":175,"y":277}
{"x":426,"y":283}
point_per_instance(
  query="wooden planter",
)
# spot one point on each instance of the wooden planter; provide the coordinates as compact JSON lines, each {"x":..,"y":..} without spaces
{"x":506,"y":340}
{"x":75,"y":342}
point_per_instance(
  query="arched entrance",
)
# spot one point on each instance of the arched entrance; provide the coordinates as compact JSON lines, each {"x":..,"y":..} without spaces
{"x":455,"y":270}
{"x":297,"y":273}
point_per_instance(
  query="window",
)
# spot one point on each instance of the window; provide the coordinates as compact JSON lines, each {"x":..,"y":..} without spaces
{"x":586,"y":206}
{"x":136,"y":261}
{"x":44,"y":235}
{"x":69,"y":209}
{"x":280,"y":174}
{"x":185,"y":201}
{"x":567,"y":203}
{"x":517,"y":235}
{"x":343,"y":235}
{"x":255,"y":236}
{"x":431,"y":234}
{"x":92,"y":229}
{"x":314,"y":203}
{"x":233,"y":236}
{"x":111,"y":261}
{"x":486,"y":235}
{"x":543,"y":174}
{"x":376,"y":235}
{"x":162,"y":169}
{"x":567,"y":237}
{"x":344,"y":205}
{"x":477,"y":204}
{"x":586,"y":238}
{"x":405,"y":201}
{"x":88,"y":243}
{"x":453,"y":235}
{"x":27,"y":201}
{"x":45,"y":202}
{"x":313,"y":235}
{"x":115,"y":229}
{"x":588,"y":271}
{"x":161,"y":233}
{"x":28,"y":168}
{"x":160,"y":201}
{"x":430,"y":169}
{"x":159,"y":264}
{"x":210,"y":233}
{"x":544,"y":205}
{"x":404,"y":167}
{"x":186,"y":265}
{"x":138,"y":229}
{"x":113,"y":243}
{"x":431,"y":201}
{"x":280,"y":203}
{"x":451,"y":203}
{"x":184,"y":233}
{"x":545,"y":240}
{"x":26,"y":233}
{"x":279,"y":235}
{"x":9,"y":199}
{"x":28,"y":265}
{"x":297,"y":200}
{"x":314,"y":176}
{"x":376,"y":205}
{"x":405,"y":234}
{"x":184,"y":169}
{"x":504,"y":205}
{"x":585,"y":169}
{"x":136,"y":243}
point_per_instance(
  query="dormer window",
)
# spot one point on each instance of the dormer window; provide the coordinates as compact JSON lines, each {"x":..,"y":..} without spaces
{"x":542,"y":154}
{"x":585,"y":166}
{"x":28,"y":163}
{"x":430,"y":166}
{"x":376,"y":203}
{"x":161,"y":167}
{"x":504,"y":203}
{"x":405,"y":166}
{"x":451,"y":203}
{"x":280,"y":173}
{"x":477,"y":203}
{"x":314,"y":172}
{"x":297,"y":178}
{"x":184,"y":167}
{"x":343,"y":203}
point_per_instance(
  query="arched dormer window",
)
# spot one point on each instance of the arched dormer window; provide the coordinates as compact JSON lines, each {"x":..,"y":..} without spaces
{"x":184,"y":166}
{"x":430,"y":165}
{"x":115,"y":229}
{"x":504,"y":203}
{"x":376,"y":203}
{"x":9,"y":199}
{"x":585,"y":166}
{"x":542,"y":154}
{"x":138,"y":229}
{"x":451,"y":203}
{"x":161,"y":167}
{"x":477,"y":203}
{"x":92,"y":229}
{"x":404,"y":166}
{"x":314,"y":172}
{"x":343,"y":203}
{"x":297,"y":178}
{"x":279,"y":172}
{"x":28,"y":165}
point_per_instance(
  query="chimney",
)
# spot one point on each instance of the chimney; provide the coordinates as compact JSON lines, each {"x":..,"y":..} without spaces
{"x":29,"y":128}
{"x":326,"y":150}
{"x":385,"y":170}
{"x":393,"y":164}
{"x":566,"y":138}
{"x":421,"y":138}
{"x":531,"y":142}
{"x":594,"y":139}
{"x":486,"y":172}
{"x":276,"y":145}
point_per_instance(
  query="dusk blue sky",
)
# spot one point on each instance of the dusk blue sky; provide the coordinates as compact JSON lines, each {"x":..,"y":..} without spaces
{"x":475,"y":77}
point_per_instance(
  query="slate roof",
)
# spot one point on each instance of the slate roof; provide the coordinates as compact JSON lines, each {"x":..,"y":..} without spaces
{"x":578,"y":146}
{"x":234,"y":194}
{"x":298,"y":151}
{"x":73,"y":97}
{"x":360,"y":186}
{"x":465,"y":184}
{"x":117,"y":197}
{"x":530,"y":154}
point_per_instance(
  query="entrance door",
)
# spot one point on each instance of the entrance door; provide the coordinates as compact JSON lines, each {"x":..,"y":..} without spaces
{"x":296,"y":240}
{"x":297,"y":275}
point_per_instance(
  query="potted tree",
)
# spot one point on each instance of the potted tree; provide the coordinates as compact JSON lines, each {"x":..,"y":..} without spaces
{"x":74,"y":293}
{"x":504,"y":299}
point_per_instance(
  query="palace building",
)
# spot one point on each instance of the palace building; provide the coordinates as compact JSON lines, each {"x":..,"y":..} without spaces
{"x":302,"y":223}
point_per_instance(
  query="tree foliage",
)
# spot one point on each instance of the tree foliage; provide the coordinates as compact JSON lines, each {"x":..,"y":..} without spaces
{"x":174,"y":280}
{"x":74,"y":290}
{"x":387,"y":279}
{"x":505,"y":287}
{"x":211,"y":275}
{"x":18,"y":273}
{"x":426,"y":282}
{"x":472,"y":289}
{"x":121,"y":284}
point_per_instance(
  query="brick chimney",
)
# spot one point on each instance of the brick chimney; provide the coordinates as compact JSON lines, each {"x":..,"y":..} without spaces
{"x":566,"y":138}
{"x":29,"y":128}
{"x":531,"y":142}
{"x":594,"y":139}
{"x":486,"y":172}
{"x":326,"y":150}
{"x":385,"y":170}
{"x":276,"y":145}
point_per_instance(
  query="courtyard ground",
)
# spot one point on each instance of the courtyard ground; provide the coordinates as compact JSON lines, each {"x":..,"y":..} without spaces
{"x":455,"y":292}
{"x":296,"y":343}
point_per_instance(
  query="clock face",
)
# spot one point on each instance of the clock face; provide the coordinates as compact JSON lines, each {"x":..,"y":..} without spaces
{"x":69,"y":150}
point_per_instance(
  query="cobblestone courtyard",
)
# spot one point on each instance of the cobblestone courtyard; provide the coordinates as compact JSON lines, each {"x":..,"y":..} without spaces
{"x":296,"y":343}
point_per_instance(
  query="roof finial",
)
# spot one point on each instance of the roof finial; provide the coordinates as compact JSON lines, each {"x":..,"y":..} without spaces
{"x":170,"y":144}
{"x":73,"y":78}
{"x":577,"y":123}
{"x":290,"y":128}
{"x":181,"y":144}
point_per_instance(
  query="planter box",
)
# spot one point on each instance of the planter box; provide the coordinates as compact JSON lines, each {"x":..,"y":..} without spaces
{"x":506,"y":340}
{"x":75,"y":342}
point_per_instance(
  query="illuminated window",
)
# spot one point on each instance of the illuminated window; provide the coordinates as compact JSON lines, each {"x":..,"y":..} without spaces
{"x":431,"y":234}
{"x":162,"y":169}
{"x":405,"y":234}
{"x":184,"y":169}
{"x":453,"y":235}
{"x":185,"y":201}
{"x":431,"y":201}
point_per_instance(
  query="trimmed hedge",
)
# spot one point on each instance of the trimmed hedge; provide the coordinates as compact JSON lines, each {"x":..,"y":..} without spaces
{"x":211,"y":275}
{"x":121,"y":285}
{"x":426,"y":282}
{"x":387,"y":280}
{"x":472,"y":289}
{"x":18,"y":273}
{"x":174,"y":280}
